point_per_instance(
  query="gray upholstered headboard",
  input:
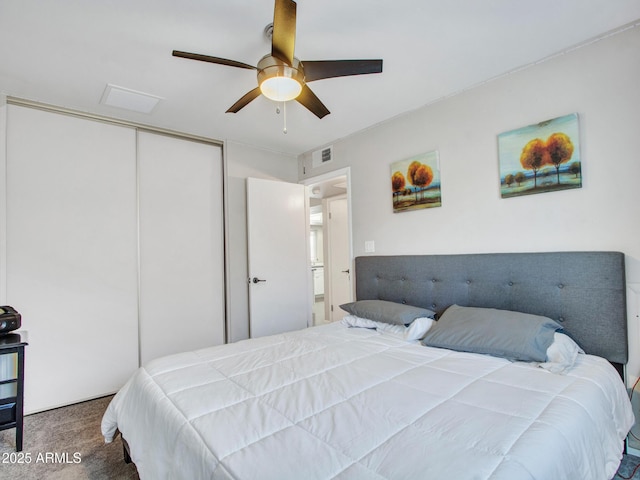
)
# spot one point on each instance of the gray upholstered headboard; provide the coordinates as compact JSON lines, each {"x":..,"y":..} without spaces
{"x":584,"y":291}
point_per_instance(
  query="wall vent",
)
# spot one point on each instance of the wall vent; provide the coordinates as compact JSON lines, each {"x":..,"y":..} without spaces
{"x":322,"y":156}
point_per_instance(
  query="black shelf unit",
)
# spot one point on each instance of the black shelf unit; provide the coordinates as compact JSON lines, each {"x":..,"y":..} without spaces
{"x":12,"y":404}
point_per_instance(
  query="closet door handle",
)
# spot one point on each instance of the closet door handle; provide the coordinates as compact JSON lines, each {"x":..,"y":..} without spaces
{"x":345,"y":271}
{"x":256,"y":280}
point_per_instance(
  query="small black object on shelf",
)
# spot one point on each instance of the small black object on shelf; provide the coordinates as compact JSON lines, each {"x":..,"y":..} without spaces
{"x":10,"y":319}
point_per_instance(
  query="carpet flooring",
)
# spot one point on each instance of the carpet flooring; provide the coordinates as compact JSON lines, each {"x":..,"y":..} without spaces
{"x":73,"y":433}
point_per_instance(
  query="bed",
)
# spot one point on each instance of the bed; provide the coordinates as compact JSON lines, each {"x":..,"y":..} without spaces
{"x":351,"y":401}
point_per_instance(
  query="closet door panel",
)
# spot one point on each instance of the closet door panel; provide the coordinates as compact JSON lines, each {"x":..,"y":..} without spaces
{"x":181,"y":245}
{"x":71,"y":261}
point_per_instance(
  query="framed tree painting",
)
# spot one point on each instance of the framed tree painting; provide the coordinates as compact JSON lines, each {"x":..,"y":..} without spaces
{"x":415,"y":183}
{"x":540,"y":158}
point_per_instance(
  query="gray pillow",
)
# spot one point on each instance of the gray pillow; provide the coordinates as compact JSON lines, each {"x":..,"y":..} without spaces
{"x":387,"y":312}
{"x":501,"y":333}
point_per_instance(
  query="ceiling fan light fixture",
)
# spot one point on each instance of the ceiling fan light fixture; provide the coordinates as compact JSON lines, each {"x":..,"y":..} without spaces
{"x":278,"y":81}
{"x":281,"y":76}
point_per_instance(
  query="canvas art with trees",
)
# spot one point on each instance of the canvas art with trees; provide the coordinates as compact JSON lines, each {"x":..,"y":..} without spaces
{"x":415,"y":182}
{"x":540,"y":158}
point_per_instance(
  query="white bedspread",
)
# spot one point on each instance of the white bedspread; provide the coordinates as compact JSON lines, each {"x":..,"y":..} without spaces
{"x":338,"y":402}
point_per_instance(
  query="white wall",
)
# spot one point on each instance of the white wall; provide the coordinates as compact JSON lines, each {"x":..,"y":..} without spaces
{"x":598,"y":81}
{"x":242,"y":162}
{"x":3,"y":195}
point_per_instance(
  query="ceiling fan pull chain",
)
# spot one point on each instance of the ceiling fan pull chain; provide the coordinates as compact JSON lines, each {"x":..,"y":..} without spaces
{"x":284,"y":109}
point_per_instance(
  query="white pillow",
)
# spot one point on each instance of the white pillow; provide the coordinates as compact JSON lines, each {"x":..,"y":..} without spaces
{"x":414,"y":331}
{"x":561,"y":354}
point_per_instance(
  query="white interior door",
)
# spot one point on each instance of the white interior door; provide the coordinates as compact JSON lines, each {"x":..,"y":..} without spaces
{"x":181,"y":245}
{"x":279,"y":270}
{"x":339,"y":258}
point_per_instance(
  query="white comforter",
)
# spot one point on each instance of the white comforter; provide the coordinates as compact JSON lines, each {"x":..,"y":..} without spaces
{"x":338,"y":402}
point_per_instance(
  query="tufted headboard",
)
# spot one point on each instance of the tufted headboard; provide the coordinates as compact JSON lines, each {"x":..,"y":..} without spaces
{"x":584,"y":291}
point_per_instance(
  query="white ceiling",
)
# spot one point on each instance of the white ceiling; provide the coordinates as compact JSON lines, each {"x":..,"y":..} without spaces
{"x":65,"y":52}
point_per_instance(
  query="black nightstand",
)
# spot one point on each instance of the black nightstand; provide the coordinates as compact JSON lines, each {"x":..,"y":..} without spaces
{"x":12,"y":388}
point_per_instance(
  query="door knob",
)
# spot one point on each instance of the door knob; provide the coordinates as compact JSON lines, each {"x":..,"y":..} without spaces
{"x":256,"y":280}
{"x":345,"y":271}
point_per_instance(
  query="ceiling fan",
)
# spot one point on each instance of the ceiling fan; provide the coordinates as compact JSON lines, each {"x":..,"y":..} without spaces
{"x":281,"y":76}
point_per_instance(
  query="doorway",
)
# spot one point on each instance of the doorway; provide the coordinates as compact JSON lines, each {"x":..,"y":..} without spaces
{"x":330,"y":245}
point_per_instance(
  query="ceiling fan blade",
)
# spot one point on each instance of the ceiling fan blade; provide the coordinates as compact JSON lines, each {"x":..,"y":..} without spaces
{"x":317,"y":70}
{"x":244,"y":101}
{"x":207,"y":58}
{"x":283,"y":40}
{"x":311,"y":102}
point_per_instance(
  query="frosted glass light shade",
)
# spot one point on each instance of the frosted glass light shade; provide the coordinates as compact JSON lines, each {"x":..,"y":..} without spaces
{"x":280,"y":89}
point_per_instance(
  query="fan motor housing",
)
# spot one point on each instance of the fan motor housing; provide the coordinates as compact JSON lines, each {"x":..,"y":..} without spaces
{"x":270,"y":66}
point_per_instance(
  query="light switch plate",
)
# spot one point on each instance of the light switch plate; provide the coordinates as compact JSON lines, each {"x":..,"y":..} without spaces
{"x":369,"y":246}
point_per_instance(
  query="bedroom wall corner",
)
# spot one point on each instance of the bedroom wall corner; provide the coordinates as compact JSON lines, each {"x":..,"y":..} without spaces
{"x":244,"y":161}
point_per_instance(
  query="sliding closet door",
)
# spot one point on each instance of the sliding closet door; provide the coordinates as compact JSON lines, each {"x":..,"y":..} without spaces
{"x":71,"y":253}
{"x":181,"y":245}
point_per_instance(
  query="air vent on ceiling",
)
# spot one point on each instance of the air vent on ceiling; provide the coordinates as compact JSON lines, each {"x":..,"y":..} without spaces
{"x":322,"y":156}
{"x":128,"y":99}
